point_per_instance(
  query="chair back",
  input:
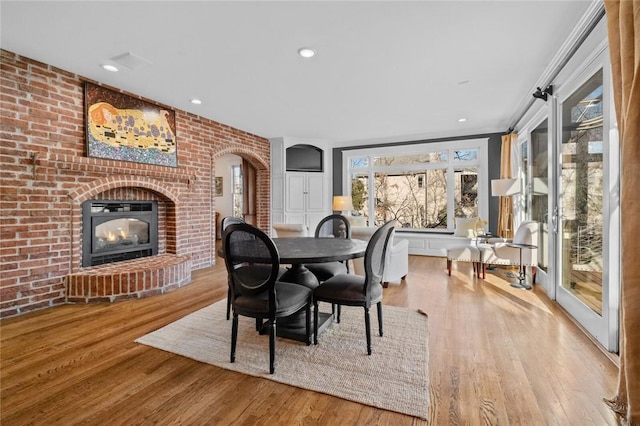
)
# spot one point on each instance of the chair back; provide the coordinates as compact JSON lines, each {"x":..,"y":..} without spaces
{"x":252,"y":261}
{"x":374,"y":256}
{"x":229,"y":220}
{"x":527,"y":233}
{"x":290,"y":230}
{"x":333,"y":226}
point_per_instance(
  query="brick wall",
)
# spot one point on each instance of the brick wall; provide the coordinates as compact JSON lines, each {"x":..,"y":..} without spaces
{"x":45,"y":177}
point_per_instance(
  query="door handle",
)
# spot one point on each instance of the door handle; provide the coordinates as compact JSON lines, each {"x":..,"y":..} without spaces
{"x":554,"y":219}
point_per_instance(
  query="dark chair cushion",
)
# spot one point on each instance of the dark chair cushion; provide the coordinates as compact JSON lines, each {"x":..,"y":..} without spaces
{"x":324,"y":271}
{"x":290,"y":298}
{"x":346,"y":289}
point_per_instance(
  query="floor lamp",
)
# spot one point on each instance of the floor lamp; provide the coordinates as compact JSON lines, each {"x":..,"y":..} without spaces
{"x":343,"y":204}
{"x":505,"y":188}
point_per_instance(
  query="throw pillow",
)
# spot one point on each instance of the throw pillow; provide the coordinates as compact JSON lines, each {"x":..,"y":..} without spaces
{"x":466,"y":227}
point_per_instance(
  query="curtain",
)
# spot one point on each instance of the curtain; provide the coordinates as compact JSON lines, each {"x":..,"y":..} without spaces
{"x":623,"y":20}
{"x":505,"y":208}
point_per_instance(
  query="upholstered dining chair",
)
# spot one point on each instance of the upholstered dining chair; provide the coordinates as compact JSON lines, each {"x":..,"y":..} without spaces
{"x":256,"y":294}
{"x":224,"y":224}
{"x":397,"y":260}
{"x":332,"y":226}
{"x":358,"y":290}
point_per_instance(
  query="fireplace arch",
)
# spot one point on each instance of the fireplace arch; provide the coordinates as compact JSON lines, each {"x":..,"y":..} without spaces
{"x":133,"y":189}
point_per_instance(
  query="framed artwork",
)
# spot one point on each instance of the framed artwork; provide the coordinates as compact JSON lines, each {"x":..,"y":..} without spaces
{"x":121,"y":127}
{"x":217,"y":186}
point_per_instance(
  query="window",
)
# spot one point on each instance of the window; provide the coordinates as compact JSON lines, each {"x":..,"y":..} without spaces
{"x":423,"y":188}
{"x":236,"y":190}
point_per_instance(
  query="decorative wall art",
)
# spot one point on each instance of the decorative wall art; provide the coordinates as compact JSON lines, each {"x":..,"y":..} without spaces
{"x":217,"y":187}
{"x":121,"y":127}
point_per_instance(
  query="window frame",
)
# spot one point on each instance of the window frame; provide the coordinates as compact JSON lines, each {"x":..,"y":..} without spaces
{"x":450,"y":165}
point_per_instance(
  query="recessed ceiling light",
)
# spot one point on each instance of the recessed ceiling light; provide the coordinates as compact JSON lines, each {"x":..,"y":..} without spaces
{"x":462,"y":120}
{"x":306,"y":52}
{"x":108,"y":67}
{"x":196,"y":101}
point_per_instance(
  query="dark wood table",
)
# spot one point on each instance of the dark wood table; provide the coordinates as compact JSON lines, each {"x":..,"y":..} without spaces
{"x":296,"y":251}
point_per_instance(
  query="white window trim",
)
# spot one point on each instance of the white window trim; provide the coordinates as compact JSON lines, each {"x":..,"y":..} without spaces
{"x":482,"y":165}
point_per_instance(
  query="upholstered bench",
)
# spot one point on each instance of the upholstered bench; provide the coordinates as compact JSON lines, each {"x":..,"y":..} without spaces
{"x":464,"y":253}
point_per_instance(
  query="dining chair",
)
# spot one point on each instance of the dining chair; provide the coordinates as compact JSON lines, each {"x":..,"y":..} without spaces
{"x":332,"y":226}
{"x":254,"y":294}
{"x":358,"y":290}
{"x":396,"y":266}
{"x":224,"y":224}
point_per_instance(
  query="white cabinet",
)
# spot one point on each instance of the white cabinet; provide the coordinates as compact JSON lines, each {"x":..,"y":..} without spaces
{"x":304,"y":198}
{"x":298,"y":196}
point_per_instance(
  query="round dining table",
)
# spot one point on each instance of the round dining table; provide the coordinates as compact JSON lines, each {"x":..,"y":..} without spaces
{"x":296,"y":251}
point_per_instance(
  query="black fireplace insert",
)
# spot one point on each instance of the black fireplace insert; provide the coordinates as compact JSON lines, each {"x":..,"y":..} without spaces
{"x":113,"y":231}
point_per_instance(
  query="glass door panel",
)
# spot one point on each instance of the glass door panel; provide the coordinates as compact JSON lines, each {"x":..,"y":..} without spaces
{"x":581,"y":194}
{"x":540,"y":190}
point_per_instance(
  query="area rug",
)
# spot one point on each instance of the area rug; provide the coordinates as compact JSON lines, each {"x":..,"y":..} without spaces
{"x":395,"y":377}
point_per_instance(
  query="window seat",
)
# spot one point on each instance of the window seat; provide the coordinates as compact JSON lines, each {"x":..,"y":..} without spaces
{"x":430,"y":243}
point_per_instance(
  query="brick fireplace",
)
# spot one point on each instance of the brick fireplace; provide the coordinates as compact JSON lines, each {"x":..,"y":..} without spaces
{"x":118,"y":230}
{"x":135,"y":278}
{"x":46,"y":177}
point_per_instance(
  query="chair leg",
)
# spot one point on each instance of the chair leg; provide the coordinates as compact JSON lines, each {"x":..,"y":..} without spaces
{"x":338,"y":316}
{"x":308,"y":323}
{"x":380,"y":318}
{"x":234,"y":336}
{"x":228,"y":304}
{"x":534,"y":273}
{"x":367,"y":326}
{"x":272,"y":346}
{"x":316,"y":318}
{"x":449,"y":266}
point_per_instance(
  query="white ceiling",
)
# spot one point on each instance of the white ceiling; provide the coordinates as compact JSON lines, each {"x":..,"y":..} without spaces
{"x":384,"y":70}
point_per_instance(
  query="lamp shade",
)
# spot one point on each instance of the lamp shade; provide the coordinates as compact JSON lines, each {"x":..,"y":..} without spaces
{"x":540,"y":186}
{"x":505,"y":187}
{"x":342,"y":203}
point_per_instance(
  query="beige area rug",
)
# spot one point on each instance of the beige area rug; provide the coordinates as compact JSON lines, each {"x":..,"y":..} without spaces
{"x":395,"y":377}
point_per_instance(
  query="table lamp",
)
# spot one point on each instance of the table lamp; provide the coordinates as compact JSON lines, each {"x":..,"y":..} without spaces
{"x":505,"y":188}
{"x":343,"y":204}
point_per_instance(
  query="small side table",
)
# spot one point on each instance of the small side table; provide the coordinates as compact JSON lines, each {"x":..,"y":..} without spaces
{"x":521,"y":275}
{"x":483,"y":238}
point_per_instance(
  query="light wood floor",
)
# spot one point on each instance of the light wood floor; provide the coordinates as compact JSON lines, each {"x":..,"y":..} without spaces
{"x":498,"y":356}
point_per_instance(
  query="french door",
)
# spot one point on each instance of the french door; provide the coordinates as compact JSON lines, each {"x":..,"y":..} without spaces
{"x":537,"y":191}
{"x":585,"y":215}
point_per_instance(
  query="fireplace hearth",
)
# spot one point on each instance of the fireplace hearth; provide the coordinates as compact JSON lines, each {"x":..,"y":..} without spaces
{"x":113,"y":231}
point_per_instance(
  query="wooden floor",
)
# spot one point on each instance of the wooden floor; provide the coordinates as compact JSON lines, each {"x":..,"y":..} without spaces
{"x":498,"y":356}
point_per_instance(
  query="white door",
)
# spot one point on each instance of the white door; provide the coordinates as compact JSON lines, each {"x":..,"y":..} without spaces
{"x":587,"y":205}
{"x":315,"y":193}
{"x":296,"y":193}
